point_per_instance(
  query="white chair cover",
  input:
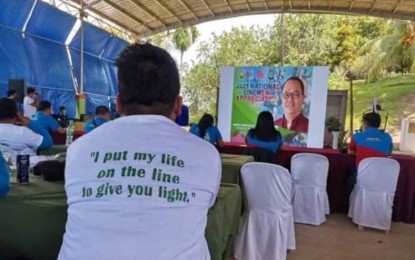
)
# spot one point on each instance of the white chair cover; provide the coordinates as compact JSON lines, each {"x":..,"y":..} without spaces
{"x":310,"y":201}
{"x":371,"y":200}
{"x":268,"y":226}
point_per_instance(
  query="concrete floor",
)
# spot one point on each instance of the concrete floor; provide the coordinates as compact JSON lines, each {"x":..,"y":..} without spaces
{"x":340,"y":239}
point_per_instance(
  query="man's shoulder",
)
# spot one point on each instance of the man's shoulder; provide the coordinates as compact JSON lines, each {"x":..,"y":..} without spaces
{"x":303,"y":118}
{"x":279,"y":121}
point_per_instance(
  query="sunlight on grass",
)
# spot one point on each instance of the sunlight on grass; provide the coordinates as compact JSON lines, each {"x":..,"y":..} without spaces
{"x":389,"y":92}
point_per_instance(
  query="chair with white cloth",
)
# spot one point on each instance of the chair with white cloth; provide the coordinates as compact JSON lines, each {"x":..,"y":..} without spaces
{"x":372,"y":197}
{"x":309,"y":197}
{"x":268,"y":226}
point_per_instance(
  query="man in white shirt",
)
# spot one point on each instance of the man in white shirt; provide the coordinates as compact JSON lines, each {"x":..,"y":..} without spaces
{"x":139,"y":187}
{"x":30,"y":103}
{"x":24,"y":138}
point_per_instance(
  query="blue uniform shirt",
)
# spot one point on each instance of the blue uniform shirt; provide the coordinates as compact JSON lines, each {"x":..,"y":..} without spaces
{"x":212,"y":133}
{"x":46,"y":121}
{"x":93,"y":123}
{"x":371,"y":143}
{"x":47,"y":138}
{"x":4,"y":176}
{"x":269,"y":145}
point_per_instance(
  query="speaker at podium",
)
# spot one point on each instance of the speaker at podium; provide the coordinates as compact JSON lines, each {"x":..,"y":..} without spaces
{"x":19,"y":86}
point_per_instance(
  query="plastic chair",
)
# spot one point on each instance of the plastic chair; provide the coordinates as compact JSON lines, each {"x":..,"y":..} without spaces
{"x":268,"y":226}
{"x":371,"y":200}
{"x":310,"y":201}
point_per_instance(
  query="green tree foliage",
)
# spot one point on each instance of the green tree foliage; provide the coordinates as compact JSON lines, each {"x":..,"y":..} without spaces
{"x":315,"y":40}
{"x":393,"y":51}
{"x":306,"y":39}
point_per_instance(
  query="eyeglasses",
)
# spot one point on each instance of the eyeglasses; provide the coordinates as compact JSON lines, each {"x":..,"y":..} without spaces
{"x":288,"y":95}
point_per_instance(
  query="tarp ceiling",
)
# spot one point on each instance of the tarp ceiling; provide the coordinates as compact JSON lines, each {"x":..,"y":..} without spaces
{"x":145,"y":17}
{"x":32,"y":48}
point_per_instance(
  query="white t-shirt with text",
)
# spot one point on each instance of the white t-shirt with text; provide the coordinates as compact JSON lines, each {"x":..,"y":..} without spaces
{"x":139,"y":187}
{"x":28,"y":108}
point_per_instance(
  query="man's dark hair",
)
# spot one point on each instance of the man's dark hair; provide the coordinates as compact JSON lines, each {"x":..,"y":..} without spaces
{"x":11,"y":92}
{"x":265,"y":129}
{"x":102,"y":110}
{"x":43,"y":105}
{"x":148,"y":80}
{"x":30,"y":91}
{"x":298,"y":80}
{"x":8,"y":109}
{"x":372,"y":119}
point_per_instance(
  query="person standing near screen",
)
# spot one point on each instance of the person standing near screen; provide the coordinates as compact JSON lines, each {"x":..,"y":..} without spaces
{"x":293,"y":95}
{"x":30,"y":103}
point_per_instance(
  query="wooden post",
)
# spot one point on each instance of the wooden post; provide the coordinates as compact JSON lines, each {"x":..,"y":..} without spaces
{"x":351,"y":101}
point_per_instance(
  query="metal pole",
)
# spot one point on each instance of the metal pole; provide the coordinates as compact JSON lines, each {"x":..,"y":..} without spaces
{"x":81,"y":14}
{"x":351,"y":101}
{"x":282,"y":50}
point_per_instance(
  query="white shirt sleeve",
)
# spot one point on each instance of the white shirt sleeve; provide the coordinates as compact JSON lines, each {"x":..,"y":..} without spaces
{"x":28,"y":101}
{"x":31,"y":138}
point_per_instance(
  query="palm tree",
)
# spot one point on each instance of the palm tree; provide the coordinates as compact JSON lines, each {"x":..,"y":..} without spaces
{"x":395,"y":49}
{"x":183,"y":38}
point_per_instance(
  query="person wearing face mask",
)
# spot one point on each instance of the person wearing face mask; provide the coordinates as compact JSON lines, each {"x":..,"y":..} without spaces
{"x":293,"y":95}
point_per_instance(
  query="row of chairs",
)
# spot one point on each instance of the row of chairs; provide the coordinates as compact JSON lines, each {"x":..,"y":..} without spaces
{"x":276,"y":199}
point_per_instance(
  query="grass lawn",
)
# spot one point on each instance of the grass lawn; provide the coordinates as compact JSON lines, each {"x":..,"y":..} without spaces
{"x":389,"y":92}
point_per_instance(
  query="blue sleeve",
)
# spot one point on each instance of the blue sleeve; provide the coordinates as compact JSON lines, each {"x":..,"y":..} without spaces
{"x":218,"y":135}
{"x":88,"y":127}
{"x":194,"y":130}
{"x":4,"y":177}
{"x":47,"y":138}
{"x":53,"y":124}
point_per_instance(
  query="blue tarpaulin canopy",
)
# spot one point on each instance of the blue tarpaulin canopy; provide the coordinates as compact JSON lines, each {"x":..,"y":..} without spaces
{"x":38,"y":54}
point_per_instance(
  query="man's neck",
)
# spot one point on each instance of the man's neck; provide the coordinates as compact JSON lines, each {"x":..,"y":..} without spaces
{"x":290,"y":118}
{"x":7,"y":121}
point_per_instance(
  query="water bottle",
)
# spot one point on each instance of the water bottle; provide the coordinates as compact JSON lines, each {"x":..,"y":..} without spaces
{"x":69,"y":133}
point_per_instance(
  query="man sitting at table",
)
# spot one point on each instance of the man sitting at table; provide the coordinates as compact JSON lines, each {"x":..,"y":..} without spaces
{"x":371,"y":142}
{"x":26,"y":137}
{"x":44,"y":118}
{"x":132,"y":194}
{"x":102,"y":115}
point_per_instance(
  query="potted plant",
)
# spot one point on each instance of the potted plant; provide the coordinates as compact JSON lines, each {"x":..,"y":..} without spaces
{"x":334,"y":127}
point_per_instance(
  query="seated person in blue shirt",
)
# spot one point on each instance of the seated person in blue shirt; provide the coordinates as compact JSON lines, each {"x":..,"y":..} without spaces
{"x":19,"y":133}
{"x":44,"y":117}
{"x":102,"y":115}
{"x":264,"y":134}
{"x":4,"y":176}
{"x":206,"y":130}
